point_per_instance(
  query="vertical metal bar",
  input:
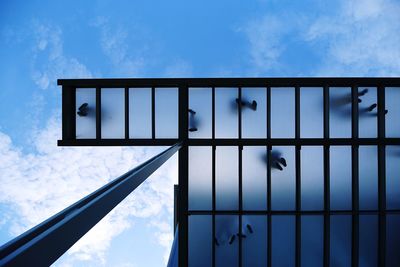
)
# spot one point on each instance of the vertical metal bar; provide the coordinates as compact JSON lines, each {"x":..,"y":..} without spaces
{"x":213,"y":205}
{"x":240,"y":113}
{"x":127,"y":113}
{"x":298,"y":179}
{"x":153,"y":113}
{"x":176,"y":193}
{"x":382,"y":178}
{"x":183,"y":176}
{"x":240,"y":204}
{"x":355,"y":182}
{"x":68,"y":113}
{"x":213,"y":112}
{"x":98,"y":113}
{"x":326,"y":181}
{"x":269,"y":206}
{"x":268,"y":113}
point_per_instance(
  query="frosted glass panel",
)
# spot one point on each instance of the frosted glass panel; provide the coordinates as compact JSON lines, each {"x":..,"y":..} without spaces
{"x":283,"y":241}
{"x":166,"y":108}
{"x":254,"y":113}
{"x":200,"y":240}
{"x":312,"y":241}
{"x":200,"y":117}
{"x":393,"y":177}
{"x":283,"y":180}
{"x":282,"y":112}
{"x":254,"y":178}
{"x":254,"y":245}
{"x":226,"y":241}
{"x":340,"y":246}
{"x":86,"y":125}
{"x":140,"y":113}
{"x":368,"y":241}
{"x":226,"y":113}
{"x":311,"y":112}
{"x":112,"y":113}
{"x":340,"y":112}
{"x":226,"y":178}
{"x":392,"y":240}
{"x":367,"y":112}
{"x":312,"y":178}
{"x":340,"y":177}
{"x":392,"y":103}
{"x":200,"y":178}
{"x":368,"y":177}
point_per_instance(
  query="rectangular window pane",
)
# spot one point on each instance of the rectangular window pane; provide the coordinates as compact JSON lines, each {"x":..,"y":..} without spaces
{"x":254,"y":113}
{"x":283,"y":179}
{"x":312,"y":178}
{"x":226,"y":241}
{"x":200,"y":178}
{"x":340,"y":177}
{"x":393,"y":177}
{"x":166,"y":108}
{"x":86,"y":122}
{"x":392,"y":240}
{"x":282,"y":112}
{"x":226,"y":178}
{"x":392,"y":104}
{"x":368,"y":112}
{"x":368,"y":177}
{"x":112,"y":113}
{"x":140,"y":113}
{"x":368,"y":241}
{"x":200,"y":240}
{"x":312,"y":240}
{"x":340,"y":112}
{"x":340,"y":246}
{"x":226,"y":113}
{"x":200,"y":115}
{"x":311,"y":112}
{"x":254,"y":178}
{"x":254,"y":245}
{"x":283,"y":241}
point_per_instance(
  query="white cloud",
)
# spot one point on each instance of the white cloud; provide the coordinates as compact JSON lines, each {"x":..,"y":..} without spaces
{"x":35,"y":186}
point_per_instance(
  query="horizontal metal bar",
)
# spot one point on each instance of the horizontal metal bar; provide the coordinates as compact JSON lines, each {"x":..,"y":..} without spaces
{"x":289,"y":212}
{"x":234,"y":142}
{"x":46,"y":242}
{"x":231,"y":82}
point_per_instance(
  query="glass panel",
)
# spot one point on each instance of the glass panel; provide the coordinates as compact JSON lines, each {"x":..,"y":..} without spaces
{"x":311,"y":112}
{"x":283,"y":241}
{"x":368,"y":177}
{"x":254,"y":113}
{"x":226,"y":113}
{"x":367,"y":112}
{"x":200,"y":116}
{"x":200,"y":178}
{"x":340,"y":112}
{"x":312,"y":240}
{"x":226,"y":178}
{"x":166,"y":108}
{"x":312,"y":178}
{"x":340,"y":177}
{"x":392,"y":103}
{"x":112,"y":113}
{"x":392,"y":240}
{"x":200,"y":240}
{"x":254,"y":178}
{"x":254,"y":245}
{"x":283,"y":179}
{"x":283,"y":112}
{"x":226,"y":241}
{"x":86,"y":123}
{"x":393,"y":177}
{"x":368,"y":241}
{"x":140,"y":113}
{"x":340,"y":246}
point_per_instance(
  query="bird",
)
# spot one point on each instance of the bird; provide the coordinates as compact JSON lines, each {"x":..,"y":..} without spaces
{"x":216,"y":241}
{"x":231,"y":240}
{"x":83,"y":110}
{"x":244,"y":103}
{"x":192,"y":121}
{"x":248,"y":226}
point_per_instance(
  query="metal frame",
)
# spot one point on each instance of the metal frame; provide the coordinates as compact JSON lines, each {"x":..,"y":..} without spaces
{"x":68,"y":139}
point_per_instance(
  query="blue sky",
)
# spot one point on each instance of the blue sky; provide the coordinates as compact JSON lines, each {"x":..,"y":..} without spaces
{"x":41,"y":41}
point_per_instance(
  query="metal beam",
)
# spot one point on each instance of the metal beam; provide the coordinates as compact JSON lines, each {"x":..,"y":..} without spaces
{"x":46,"y":242}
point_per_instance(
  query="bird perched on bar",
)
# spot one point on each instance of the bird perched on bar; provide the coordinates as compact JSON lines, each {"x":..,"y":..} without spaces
{"x":244,"y":103}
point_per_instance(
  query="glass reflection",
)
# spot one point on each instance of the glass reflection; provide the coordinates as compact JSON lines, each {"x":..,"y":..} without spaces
{"x":166,"y":108}
{"x":200,"y":178}
{"x":393,"y":177}
{"x":312,"y":240}
{"x":86,"y":106}
{"x":254,"y":240}
{"x":368,"y":177}
{"x":226,"y":113}
{"x":200,"y":112}
{"x":226,"y":240}
{"x":368,"y":112}
{"x":283,"y":241}
{"x":392,"y":240}
{"x":112,"y":113}
{"x":282,"y":112}
{"x":340,"y":177}
{"x":340,"y":112}
{"x":254,"y":118}
{"x":312,"y":178}
{"x":200,"y":240}
{"x":311,"y":112}
{"x":368,"y":241}
{"x":392,"y":100}
{"x":340,"y":243}
{"x":226,"y":178}
{"x":140,"y":113}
